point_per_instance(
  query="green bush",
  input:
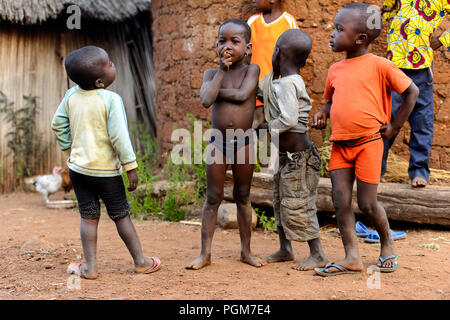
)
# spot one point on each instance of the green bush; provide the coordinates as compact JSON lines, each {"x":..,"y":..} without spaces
{"x":23,"y":138}
{"x":325,"y":151}
{"x":172,"y":206}
{"x":268,"y":223}
{"x":171,"y":209}
{"x":142,"y":204}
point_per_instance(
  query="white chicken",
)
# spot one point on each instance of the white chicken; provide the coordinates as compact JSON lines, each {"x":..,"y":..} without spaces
{"x":50,"y":183}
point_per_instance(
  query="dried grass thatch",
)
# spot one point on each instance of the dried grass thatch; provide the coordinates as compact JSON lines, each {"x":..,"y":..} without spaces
{"x":37,"y":11}
{"x":397,"y":171}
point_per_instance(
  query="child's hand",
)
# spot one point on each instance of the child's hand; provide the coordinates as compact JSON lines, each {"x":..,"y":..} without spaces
{"x":319,"y":120}
{"x":388,"y":131}
{"x":132,"y":179}
{"x":225,"y":61}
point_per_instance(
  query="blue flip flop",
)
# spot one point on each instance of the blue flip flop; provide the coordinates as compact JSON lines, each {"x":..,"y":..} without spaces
{"x":362,"y":231}
{"x":375,"y":238}
{"x":388,"y":269}
{"x":341,"y":270}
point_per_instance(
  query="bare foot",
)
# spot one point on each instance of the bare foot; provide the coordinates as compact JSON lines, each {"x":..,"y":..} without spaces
{"x":88,"y":274}
{"x":310,"y":263}
{"x":280,"y":256}
{"x":352,"y":265}
{"x":252,"y":260}
{"x":199,"y":263}
{"x":418,"y":182}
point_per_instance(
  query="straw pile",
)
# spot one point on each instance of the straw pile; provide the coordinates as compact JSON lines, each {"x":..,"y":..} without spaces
{"x":397,"y":171}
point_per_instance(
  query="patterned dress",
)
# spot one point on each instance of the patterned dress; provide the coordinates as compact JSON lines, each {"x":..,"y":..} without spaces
{"x":411,"y":25}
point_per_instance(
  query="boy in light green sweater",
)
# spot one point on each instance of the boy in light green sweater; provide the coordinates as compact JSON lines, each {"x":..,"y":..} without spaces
{"x":90,"y":126}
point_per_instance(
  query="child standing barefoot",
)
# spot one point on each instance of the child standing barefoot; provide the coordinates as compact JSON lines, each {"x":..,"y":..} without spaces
{"x":286,"y":110}
{"x":231,"y":90}
{"x":91,"y":128}
{"x":358,"y":90}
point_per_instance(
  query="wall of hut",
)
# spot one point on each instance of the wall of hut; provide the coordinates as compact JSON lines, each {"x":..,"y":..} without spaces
{"x":184,"y":40}
{"x":32,"y":62}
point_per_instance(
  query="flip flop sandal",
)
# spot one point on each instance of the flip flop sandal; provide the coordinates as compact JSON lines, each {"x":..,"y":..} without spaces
{"x":375,"y":238}
{"x":388,"y":269}
{"x":341,"y":270}
{"x":155,"y":267}
{"x":361,"y":230}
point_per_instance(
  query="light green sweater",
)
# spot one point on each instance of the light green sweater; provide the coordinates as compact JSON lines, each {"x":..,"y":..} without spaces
{"x":91,"y":128}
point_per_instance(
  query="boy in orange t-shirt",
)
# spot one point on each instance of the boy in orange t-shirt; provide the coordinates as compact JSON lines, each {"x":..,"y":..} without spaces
{"x":358,"y":91}
{"x":267,"y":26}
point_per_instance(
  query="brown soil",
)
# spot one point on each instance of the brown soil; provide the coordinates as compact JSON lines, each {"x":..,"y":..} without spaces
{"x":37,"y":244}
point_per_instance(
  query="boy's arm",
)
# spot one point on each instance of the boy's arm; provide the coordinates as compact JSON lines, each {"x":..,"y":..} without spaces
{"x":212,"y":80}
{"x":118,"y":134}
{"x":61,"y":127}
{"x":289,"y":110}
{"x":410,"y":95}
{"x":321,"y":116}
{"x":398,"y":81}
{"x":248,"y":87}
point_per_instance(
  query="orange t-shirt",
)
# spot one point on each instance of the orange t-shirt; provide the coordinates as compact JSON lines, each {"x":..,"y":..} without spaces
{"x":360,"y":89}
{"x":264,"y":38}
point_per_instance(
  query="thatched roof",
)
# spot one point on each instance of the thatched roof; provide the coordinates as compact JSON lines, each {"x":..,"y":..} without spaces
{"x":37,"y":11}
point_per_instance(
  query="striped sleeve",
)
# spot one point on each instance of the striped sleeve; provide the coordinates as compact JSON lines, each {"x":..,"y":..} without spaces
{"x":291,"y":20}
{"x":252,"y":19}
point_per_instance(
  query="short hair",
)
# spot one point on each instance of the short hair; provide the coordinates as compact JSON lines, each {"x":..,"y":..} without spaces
{"x":298,"y":43}
{"x":83,"y":66}
{"x":242,"y":23}
{"x":367,"y":11}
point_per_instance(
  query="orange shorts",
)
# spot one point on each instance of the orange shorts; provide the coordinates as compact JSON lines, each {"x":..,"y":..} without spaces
{"x":363,"y":154}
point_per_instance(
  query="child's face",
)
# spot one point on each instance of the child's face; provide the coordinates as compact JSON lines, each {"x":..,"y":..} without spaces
{"x":262,"y":5}
{"x":109,"y":72}
{"x":276,"y":59}
{"x":232,"y":41}
{"x":344,"y":34}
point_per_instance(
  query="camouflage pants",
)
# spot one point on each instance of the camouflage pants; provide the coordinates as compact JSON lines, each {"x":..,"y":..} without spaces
{"x":295,"y":193}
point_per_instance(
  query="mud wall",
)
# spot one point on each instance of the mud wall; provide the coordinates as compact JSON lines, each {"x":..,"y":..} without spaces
{"x":184,"y":36}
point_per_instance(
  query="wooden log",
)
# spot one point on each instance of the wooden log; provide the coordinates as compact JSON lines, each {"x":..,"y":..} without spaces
{"x":429,"y":205}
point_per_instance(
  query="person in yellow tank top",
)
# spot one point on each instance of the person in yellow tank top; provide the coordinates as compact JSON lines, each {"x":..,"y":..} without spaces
{"x":267,"y":26}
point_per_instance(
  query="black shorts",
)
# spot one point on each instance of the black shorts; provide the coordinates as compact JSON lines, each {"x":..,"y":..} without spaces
{"x":90,"y":189}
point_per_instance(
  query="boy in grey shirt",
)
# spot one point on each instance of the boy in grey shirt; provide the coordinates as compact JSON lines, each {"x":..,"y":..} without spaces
{"x":286,"y":110}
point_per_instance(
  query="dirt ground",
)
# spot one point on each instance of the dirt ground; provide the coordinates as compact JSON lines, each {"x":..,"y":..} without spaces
{"x":37,"y":244}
